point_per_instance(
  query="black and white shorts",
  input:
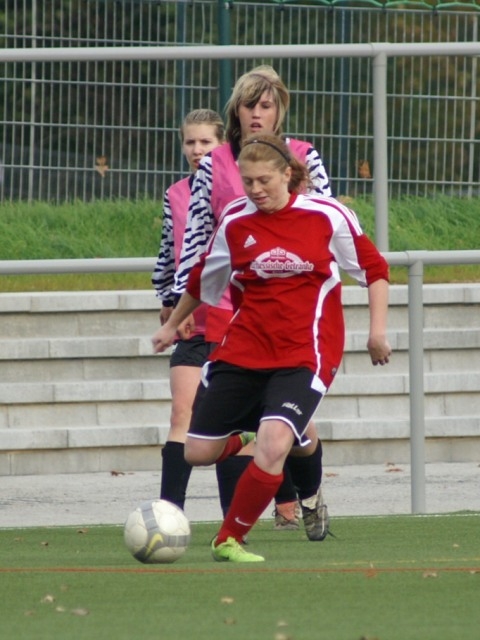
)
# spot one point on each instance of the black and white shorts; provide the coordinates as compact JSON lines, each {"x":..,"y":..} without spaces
{"x":232,"y":399}
{"x":191,"y":353}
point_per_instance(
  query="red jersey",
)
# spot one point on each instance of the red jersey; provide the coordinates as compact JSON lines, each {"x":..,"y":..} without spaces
{"x":217,"y":183}
{"x":283,"y":270}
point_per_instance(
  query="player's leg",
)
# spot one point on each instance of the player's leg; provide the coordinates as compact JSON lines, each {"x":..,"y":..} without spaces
{"x":301,"y":389}
{"x":255,"y":490}
{"x":228,"y":472}
{"x":287,"y":400}
{"x":287,"y":509}
{"x":227,"y":402}
{"x":186,"y":364}
{"x":220,"y":415}
{"x":175,"y":470}
{"x":305,"y":464}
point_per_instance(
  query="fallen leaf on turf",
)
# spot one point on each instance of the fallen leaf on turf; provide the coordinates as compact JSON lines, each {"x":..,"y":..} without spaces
{"x":60,"y":609}
{"x":64,"y":588}
{"x":18,"y":539}
{"x":282,"y":636}
{"x":80,"y":612}
{"x":369,"y":638}
{"x":282,"y":623}
{"x":82,"y":530}
{"x":29,"y":613}
{"x":44,"y":543}
{"x":455,"y":545}
{"x":227,"y":600}
{"x":474,"y":572}
{"x":430,"y":574}
{"x":48,"y":599}
{"x":230,"y":621}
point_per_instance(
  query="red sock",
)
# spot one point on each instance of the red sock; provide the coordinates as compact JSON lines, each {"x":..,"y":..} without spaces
{"x":255,"y":489}
{"x":233,"y":446}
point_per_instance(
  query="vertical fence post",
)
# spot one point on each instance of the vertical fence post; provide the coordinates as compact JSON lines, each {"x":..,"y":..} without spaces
{"x":380,"y":150}
{"x":417,"y":414}
{"x":33,"y":87}
{"x":473,"y":116}
{"x":343,"y":66}
{"x":180,"y":67}
{"x":225,"y":66}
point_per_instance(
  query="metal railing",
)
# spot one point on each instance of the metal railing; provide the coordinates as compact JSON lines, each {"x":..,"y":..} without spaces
{"x":414,"y":260}
{"x":377,"y":52}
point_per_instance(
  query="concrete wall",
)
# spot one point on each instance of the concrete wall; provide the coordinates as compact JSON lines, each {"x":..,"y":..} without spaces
{"x":80,"y":389}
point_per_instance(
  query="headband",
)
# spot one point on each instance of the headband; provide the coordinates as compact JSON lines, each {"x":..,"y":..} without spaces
{"x":270,"y":144}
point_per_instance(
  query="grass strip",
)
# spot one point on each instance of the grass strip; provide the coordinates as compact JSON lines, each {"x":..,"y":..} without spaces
{"x":392,"y":578}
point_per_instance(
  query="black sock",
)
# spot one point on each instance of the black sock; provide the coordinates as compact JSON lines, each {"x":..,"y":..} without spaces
{"x":286,"y":491}
{"x":306,"y":472}
{"x":228,"y":473}
{"x":175,"y":473}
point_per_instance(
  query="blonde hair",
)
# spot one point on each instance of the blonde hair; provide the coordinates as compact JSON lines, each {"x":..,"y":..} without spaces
{"x":273,"y":149}
{"x":247,"y":91}
{"x":204,"y":116}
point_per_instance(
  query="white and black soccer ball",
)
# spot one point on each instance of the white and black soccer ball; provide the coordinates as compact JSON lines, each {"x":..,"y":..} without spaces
{"x":157,"y":531}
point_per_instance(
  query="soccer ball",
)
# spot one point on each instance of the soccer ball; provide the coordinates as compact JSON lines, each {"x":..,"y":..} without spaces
{"x":157,"y":531}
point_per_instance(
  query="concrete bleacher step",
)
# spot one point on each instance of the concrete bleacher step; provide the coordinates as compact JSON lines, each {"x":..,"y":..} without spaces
{"x":80,"y":389}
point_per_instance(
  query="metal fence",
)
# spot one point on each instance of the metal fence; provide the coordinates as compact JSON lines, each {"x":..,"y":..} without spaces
{"x":107,"y":129}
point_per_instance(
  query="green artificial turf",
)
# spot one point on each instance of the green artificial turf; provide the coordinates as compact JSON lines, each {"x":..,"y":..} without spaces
{"x":385,"y":578}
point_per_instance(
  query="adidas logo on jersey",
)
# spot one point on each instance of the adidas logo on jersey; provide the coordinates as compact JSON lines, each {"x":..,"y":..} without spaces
{"x":249,"y":241}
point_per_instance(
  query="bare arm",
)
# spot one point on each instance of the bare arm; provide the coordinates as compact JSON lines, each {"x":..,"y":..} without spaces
{"x":377,"y":344}
{"x":165,"y":336}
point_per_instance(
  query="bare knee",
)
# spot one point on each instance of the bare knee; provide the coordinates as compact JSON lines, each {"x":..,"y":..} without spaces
{"x":274,"y":441}
{"x":179,"y":423}
{"x":200,"y":453}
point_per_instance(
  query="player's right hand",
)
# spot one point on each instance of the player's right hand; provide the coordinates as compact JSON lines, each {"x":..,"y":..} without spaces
{"x":163,"y":338}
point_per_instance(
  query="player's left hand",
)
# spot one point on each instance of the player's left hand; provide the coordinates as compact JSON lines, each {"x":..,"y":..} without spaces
{"x":186,"y":328}
{"x":165,"y":313}
{"x":379,"y":350}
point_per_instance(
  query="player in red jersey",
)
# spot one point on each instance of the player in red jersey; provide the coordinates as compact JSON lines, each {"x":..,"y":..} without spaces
{"x":258,"y":104}
{"x":281,"y":250}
